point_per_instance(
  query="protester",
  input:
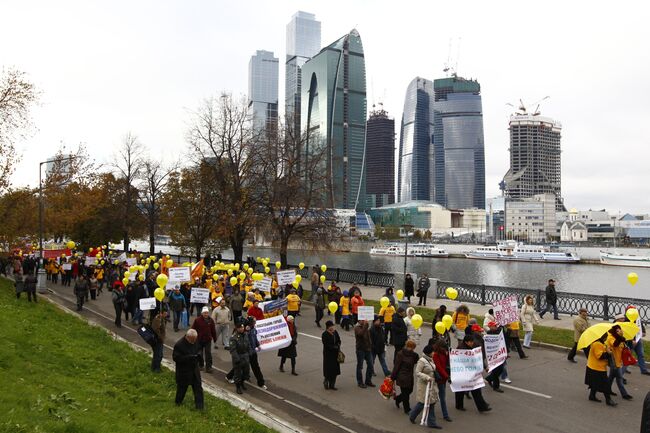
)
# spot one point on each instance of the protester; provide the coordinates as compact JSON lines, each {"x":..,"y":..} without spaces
{"x":236,"y":305}
{"x":335,"y":296}
{"x":293,"y":303}
{"x":616,"y":343}
{"x":636,"y":345}
{"x":386,"y":315}
{"x":460,"y":319}
{"x":93,"y":285}
{"x":363,"y":345}
{"x":389,"y":293}
{"x":482,"y":406}
{"x":402,"y":374}
{"x":319,"y":303}
{"x":355,"y":302}
{"x":346,"y":316}
{"x":331,"y":348}
{"x":580,"y":325}
{"x":30,"y":287}
{"x":512,"y":339}
{"x":222,"y":317}
{"x":427,"y":394}
{"x":409,"y":285}
{"x":551,"y":300}
{"x":399,"y":331}
{"x":186,"y":357}
{"x":81,"y":292}
{"x":412,"y":333}
{"x":204,"y":326}
{"x":528,"y":316}
{"x":314,"y":280}
{"x":119,"y":300}
{"x":159,"y":326}
{"x":239,"y":346}
{"x":441,"y":360}
{"x":290,"y":351}
{"x":255,"y":310}
{"x":177,"y":305}
{"x":423,"y":288}
{"x":254,"y":347}
{"x":378,"y":346}
{"x":488,"y":317}
{"x":596,"y":371}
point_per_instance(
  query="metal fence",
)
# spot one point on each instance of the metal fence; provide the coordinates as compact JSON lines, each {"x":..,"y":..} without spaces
{"x":599,"y":306}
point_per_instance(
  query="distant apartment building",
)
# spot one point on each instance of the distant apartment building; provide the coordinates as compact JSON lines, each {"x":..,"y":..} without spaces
{"x":531,"y":219}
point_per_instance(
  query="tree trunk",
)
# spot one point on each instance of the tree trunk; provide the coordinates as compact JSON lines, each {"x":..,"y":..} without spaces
{"x":284,"y":246}
{"x":152,"y":237}
{"x":126,"y":240}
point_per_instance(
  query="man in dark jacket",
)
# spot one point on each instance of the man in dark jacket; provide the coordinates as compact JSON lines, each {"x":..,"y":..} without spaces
{"x":159,"y":326}
{"x":477,"y":395}
{"x":30,"y":287}
{"x":186,"y":357}
{"x":252,"y":352}
{"x":551,"y":300}
{"x":364,"y":353}
{"x":400,"y":331}
{"x":236,"y":305}
{"x":240,"y":351}
{"x":319,"y":303}
{"x":207,"y":333}
{"x":423,"y":288}
{"x":378,"y":346}
{"x":81,"y":288}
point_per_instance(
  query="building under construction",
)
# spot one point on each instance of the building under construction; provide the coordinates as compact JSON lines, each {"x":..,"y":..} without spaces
{"x":534,"y":158}
{"x":380,"y":159}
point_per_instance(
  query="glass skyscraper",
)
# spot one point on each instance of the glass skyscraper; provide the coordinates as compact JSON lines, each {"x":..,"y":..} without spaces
{"x":457,"y":163}
{"x":415,"y":142}
{"x":380,"y":159}
{"x":333,"y":114}
{"x":303,"y":42}
{"x":263,"y":71}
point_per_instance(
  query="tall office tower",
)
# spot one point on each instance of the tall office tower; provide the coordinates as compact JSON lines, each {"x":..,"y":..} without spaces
{"x":303,"y":42}
{"x":380,"y":159}
{"x":333,"y":118}
{"x":263,"y":71}
{"x":457,"y":162}
{"x":415,"y":142}
{"x":534,"y":158}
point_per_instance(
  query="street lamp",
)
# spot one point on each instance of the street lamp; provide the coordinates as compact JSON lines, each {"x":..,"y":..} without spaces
{"x":408,"y":228}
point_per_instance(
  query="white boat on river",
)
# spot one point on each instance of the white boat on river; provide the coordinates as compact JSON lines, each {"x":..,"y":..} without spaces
{"x":617,"y":259}
{"x":519,"y":252}
{"x":414,"y":250}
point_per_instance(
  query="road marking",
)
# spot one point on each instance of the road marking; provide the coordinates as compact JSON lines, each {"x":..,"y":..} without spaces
{"x":538,"y":394}
{"x":309,"y":335}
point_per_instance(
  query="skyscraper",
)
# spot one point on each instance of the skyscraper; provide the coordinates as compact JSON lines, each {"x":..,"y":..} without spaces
{"x":380,"y":159}
{"x":534,"y":158}
{"x":303,"y":42}
{"x":413,"y":177}
{"x":333,"y":112}
{"x":457,"y":163}
{"x":263,"y":71}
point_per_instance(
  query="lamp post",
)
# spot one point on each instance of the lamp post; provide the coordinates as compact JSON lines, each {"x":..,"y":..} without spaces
{"x":408,"y":228}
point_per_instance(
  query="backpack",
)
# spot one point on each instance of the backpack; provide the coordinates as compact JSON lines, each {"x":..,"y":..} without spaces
{"x":148,"y":334}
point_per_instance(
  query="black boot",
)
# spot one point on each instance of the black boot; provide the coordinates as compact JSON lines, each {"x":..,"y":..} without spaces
{"x":239,"y":390}
{"x":326,"y":384}
{"x":333,"y":385}
{"x":609,"y":401}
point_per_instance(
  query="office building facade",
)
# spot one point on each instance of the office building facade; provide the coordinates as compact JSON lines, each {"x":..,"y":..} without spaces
{"x":333,"y":117}
{"x":263,"y":71}
{"x":380,"y":159}
{"x":531,"y":219}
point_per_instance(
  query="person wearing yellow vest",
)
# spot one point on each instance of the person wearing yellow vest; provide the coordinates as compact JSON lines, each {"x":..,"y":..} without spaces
{"x":293,"y":303}
{"x":596,"y":370}
{"x":345,"y":311}
{"x":386,"y":314}
{"x":616,"y":342}
{"x":274,"y":289}
{"x":460,"y":320}
{"x":99,"y":275}
{"x":512,"y":338}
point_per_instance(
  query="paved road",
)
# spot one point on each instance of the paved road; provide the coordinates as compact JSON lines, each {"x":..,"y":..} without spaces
{"x":547,"y":393}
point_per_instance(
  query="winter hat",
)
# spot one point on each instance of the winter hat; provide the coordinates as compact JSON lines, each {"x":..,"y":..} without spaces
{"x":428,"y":350}
{"x":205,"y":310}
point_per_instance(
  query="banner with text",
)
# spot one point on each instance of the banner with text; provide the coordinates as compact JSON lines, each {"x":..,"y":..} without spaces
{"x":286,"y":277}
{"x":506,"y":310}
{"x":273,"y":308}
{"x":366,"y":313}
{"x":273,"y":333}
{"x":180,"y":274}
{"x":495,"y":350}
{"x":199,"y":295}
{"x":264,"y":284}
{"x":466,"y":369}
{"x":147,"y":304}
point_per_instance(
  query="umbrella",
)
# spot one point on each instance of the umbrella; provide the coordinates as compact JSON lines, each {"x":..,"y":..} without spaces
{"x":593,"y":333}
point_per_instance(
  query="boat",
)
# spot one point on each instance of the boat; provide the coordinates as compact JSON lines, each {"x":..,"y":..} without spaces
{"x":616,"y":259}
{"x":414,"y":250}
{"x":520,"y":252}
{"x":387,"y":250}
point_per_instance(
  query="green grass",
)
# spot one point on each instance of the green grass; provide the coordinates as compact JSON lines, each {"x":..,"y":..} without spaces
{"x":59,"y":374}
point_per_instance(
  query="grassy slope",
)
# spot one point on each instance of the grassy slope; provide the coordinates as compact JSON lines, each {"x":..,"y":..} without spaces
{"x":59,"y":374}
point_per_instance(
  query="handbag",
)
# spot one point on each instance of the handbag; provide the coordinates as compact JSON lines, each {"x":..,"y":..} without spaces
{"x":626,"y":356}
{"x":340,"y":357}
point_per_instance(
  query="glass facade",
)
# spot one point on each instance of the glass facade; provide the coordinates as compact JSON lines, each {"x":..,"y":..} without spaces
{"x":333,"y":112}
{"x":263,"y":72}
{"x":380,"y":159}
{"x":415,"y":142}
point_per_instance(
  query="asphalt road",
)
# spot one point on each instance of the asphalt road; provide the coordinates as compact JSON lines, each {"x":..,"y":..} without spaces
{"x":547,"y":393}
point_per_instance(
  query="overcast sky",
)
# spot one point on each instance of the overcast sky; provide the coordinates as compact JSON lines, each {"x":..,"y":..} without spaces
{"x":106,"y":68}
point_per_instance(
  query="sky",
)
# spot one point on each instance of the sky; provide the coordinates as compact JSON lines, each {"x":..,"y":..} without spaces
{"x":142,"y":66}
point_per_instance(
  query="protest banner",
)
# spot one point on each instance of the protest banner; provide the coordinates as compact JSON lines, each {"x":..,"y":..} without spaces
{"x":132,"y":261}
{"x":91,"y":261}
{"x":506,"y":310}
{"x":466,"y":369}
{"x":180,"y":274}
{"x":122,"y":257}
{"x":273,"y":308}
{"x":147,"y":304}
{"x":495,"y":350}
{"x":366,"y":313}
{"x":264,"y":284}
{"x":286,"y":277}
{"x":199,"y":295}
{"x":273,"y":333}
{"x":66,"y":266}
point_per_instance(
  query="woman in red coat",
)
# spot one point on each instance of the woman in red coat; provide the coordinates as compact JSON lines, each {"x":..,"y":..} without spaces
{"x":441,"y":360}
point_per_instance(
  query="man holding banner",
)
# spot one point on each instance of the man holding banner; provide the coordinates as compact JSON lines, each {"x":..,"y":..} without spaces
{"x":467,"y":374}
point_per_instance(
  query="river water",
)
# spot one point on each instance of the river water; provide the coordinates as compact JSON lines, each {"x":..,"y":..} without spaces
{"x":576,"y":278}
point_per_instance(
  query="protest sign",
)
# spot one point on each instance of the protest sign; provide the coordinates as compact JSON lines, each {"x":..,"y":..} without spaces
{"x":122,"y":257}
{"x":495,"y":350}
{"x":91,"y":261}
{"x":199,"y":295}
{"x":263,"y":284}
{"x":147,"y":303}
{"x":180,"y":274}
{"x":466,"y":369}
{"x":506,"y":310}
{"x":273,"y":333}
{"x":132,"y":261}
{"x":273,"y":308}
{"x":132,"y":276}
{"x":286,"y":277}
{"x":66,"y":266}
{"x":366,"y":313}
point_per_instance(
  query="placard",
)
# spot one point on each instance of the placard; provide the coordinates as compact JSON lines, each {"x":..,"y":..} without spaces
{"x":66,"y":266}
{"x":285,"y":277}
{"x":131,"y":261}
{"x":199,"y":295}
{"x":179,"y":274}
{"x":495,"y":350}
{"x":273,"y":308}
{"x":122,"y":258}
{"x":466,"y":369}
{"x":263,"y":284}
{"x":273,"y":333}
{"x":366,"y":313}
{"x":91,"y":261}
{"x":147,"y":304}
{"x":506,"y":310}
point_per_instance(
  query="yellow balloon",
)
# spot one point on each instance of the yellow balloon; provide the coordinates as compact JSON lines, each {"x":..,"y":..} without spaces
{"x":169,"y":263}
{"x":102,"y":262}
{"x":323,"y":268}
{"x":299,"y":278}
{"x":167,"y":256}
{"x":71,"y":245}
{"x":229,"y":271}
{"x":156,"y":265}
{"x":301,"y":265}
{"x":162,"y":280}
{"x":265,"y":263}
{"x":332,"y":306}
{"x":142,"y":261}
{"x":447,"y":321}
{"x":278,"y":264}
{"x":267,"y":270}
{"x":322,"y":278}
{"x":384,"y":302}
{"x":132,"y":269}
{"x":250,"y":271}
{"x":125,"y":281}
{"x":632,"y":277}
{"x":159,"y":293}
{"x":295,"y":284}
{"x":246,"y":266}
{"x":233,"y":281}
{"x":451,"y":293}
{"x":116,"y":262}
{"x":632,"y":314}
{"x":237,"y":266}
{"x":127,"y":274}
{"x":242,"y":276}
{"x":399,"y":294}
{"x":440,"y":328}
{"x":416,"y":321}
{"x":141,"y":277}
{"x":257,"y":276}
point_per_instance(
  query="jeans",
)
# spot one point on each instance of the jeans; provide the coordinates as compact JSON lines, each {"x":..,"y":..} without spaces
{"x":382,"y":362}
{"x":177,"y":319}
{"x":638,"y":349}
{"x":504,"y":372}
{"x":419,"y":406}
{"x":157,"y":356}
{"x":528,"y":337}
{"x":361,"y":357}
{"x":617,"y":373}
{"x":223,"y":330}
{"x":548,"y":307}
{"x":442,"y":394}
{"x":137,"y":317}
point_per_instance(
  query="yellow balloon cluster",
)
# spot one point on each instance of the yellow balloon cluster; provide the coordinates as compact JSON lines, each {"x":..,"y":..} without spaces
{"x":451,"y":293}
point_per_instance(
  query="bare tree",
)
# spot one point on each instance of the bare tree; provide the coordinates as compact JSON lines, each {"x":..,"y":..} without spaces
{"x":155,"y":180}
{"x":17,"y":97}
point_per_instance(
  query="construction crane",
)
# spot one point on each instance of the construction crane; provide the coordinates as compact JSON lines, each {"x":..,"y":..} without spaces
{"x":523,"y":110}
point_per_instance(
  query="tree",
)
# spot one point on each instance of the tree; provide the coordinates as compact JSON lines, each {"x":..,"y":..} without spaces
{"x":155,"y":180}
{"x":19,"y":215}
{"x":17,"y":97}
{"x":223,"y":140}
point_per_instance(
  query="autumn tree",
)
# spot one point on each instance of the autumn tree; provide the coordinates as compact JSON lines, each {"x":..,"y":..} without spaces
{"x":155,"y":177}
{"x":19,"y":216}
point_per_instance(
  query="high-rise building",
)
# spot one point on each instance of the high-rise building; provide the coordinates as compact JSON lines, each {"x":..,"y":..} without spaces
{"x":333,"y":116}
{"x":263,"y":71}
{"x":534,"y":158}
{"x":413,"y":177}
{"x":457,"y":162}
{"x":303,"y":42}
{"x":380,"y":159}
{"x":531,"y":219}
